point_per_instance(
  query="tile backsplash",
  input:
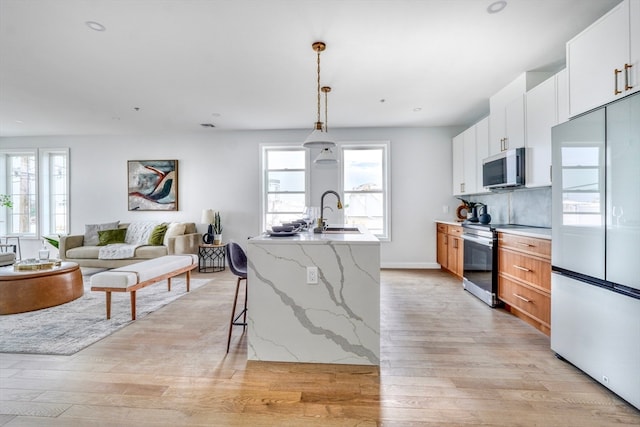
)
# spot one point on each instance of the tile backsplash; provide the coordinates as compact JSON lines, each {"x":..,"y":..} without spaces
{"x":528,"y":206}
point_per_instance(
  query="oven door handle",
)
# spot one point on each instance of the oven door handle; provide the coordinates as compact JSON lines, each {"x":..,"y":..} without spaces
{"x":484,"y":241}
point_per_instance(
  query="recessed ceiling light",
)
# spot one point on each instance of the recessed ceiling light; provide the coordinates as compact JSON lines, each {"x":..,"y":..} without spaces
{"x":216,"y":114}
{"x":496,"y":6}
{"x":20,"y":122}
{"x":95,"y":26}
{"x":415,"y":110}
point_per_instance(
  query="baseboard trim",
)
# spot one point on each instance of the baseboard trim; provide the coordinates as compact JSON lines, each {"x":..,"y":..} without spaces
{"x":411,"y":265}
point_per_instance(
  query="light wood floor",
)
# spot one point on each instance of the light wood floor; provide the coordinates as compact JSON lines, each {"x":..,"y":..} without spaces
{"x":447,"y":359}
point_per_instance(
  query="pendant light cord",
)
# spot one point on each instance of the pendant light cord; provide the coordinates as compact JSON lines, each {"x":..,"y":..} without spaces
{"x":318,"y":50}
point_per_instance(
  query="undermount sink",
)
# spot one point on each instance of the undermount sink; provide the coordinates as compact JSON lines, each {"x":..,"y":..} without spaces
{"x":342,"y":230}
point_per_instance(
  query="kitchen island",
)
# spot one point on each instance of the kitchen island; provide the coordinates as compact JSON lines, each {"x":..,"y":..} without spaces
{"x":336,"y":320}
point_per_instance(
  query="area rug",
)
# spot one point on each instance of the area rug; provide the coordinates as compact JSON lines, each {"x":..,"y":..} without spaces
{"x":68,"y":328}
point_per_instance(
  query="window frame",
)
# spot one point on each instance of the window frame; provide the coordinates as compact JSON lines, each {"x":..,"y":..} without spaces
{"x":42,"y":181}
{"x":264,"y":183}
{"x":386,"y":180}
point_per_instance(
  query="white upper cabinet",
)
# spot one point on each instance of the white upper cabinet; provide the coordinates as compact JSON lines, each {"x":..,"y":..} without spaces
{"x":507,"y":119}
{"x":514,"y":123}
{"x":457,"y":148}
{"x":464,"y":162}
{"x":470,"y":162}
{"x":562,"y":95}
{"x":542,"y":115}
{"x":482,"y":150}
{"x":603,"y":61}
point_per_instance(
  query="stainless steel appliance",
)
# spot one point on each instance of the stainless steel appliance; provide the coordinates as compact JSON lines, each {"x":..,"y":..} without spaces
{"x":480,"y":270}
{"x":595,"y":284}
{"x":504,"y":170}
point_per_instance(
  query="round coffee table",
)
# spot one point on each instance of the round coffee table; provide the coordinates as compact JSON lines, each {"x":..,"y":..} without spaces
{"x":22,"y":291}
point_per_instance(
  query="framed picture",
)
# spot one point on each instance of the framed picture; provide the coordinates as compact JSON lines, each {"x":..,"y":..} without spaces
{"x":153,"y":185}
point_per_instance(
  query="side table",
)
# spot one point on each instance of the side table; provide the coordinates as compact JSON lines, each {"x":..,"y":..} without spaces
{"x":211,"y":258}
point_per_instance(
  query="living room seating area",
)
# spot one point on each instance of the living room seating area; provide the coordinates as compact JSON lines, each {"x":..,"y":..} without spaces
{"x":115,"y":244}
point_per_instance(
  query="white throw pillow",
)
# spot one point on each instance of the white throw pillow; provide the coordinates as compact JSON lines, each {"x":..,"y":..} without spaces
{"x":174,"y":229}
{"x":138,"y":232}
{"x":91,"y":232}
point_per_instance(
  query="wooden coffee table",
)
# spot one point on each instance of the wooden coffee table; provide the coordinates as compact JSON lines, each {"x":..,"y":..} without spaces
{"x":22,"y":291}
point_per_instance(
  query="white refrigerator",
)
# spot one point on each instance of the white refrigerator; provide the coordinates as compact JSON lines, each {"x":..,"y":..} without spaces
{"x":595,"y":284}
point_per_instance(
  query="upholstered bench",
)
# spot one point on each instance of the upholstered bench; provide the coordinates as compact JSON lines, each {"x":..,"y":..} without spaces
{"x":142,"y":274}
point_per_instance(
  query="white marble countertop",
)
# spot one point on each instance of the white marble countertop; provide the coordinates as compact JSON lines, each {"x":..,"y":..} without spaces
{"x":448,"y":221}
{"x":538,"y":232}
{"x":309,"y":237}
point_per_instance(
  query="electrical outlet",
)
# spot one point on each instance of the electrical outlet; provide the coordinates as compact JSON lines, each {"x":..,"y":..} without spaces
{"x":312,"y":275}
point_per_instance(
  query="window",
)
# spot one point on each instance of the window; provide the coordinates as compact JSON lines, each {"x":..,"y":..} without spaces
{"x":284,"y":184}
{"x":365,"y":178}
{"x":55,"y":188}
{"x":37,"y":183}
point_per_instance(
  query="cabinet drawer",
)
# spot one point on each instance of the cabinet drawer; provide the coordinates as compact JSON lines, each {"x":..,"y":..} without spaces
{"x":454,"y":230}
{"x":442,"y":228}
{"x":534,"y":271}
{"x":529,"y":245}
{"x":530,"y":302}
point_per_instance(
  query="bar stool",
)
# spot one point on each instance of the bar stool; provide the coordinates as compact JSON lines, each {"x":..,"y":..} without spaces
{"x":237,"y":260}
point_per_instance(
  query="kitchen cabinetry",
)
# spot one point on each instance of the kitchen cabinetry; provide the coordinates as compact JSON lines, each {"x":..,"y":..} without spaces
{"x":542,"y":115}
{"x":465,"y":162}
{"x":604,"y":60}
{"x":507,"y":119}
{"x":562,"y":95}
{"x":507,"y":125}
{"x":482,"y":150}
{"x":524,"y":278}
{"x":546,"y":106}
{"x":450,"y":253}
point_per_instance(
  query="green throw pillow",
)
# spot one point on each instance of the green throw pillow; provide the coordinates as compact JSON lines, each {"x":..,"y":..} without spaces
{"x":157,"y":235}
{"x":106,"y":237}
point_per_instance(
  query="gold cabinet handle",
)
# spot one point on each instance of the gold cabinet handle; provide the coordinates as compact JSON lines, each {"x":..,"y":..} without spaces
{"x":521,"y":298}
{"x":526,"y":244}
{"x":521,"y":268}
{"x":615,"y":80}
{"x":627,"y":86}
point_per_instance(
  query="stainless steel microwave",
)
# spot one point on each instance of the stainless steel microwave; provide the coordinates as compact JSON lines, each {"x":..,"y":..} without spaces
{"x":504,"y":170}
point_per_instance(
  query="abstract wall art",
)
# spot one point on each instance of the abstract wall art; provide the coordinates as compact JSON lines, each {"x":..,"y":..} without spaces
{"x":153,"y":185}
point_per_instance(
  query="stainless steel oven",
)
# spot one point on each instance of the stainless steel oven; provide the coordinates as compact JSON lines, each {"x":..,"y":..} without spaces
{"x":480,"y":276}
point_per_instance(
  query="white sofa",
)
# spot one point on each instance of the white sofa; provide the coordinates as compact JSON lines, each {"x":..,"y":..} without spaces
{"x":72,"y":249}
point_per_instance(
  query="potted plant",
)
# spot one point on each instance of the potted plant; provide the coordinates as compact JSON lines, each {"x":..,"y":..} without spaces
{"x":5,"y":201}
{"x":217,"y":229}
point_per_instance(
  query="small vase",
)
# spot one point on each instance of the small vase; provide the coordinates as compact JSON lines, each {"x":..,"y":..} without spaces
{"x":43,"y":254}
{"x":485,"y":218}
{"x":217,"y":239}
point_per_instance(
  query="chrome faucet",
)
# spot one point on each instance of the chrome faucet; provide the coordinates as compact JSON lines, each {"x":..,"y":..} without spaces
{"x":320,"y":227}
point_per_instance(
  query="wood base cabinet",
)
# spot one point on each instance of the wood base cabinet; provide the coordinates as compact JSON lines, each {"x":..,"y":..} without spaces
{"x":524,"y":278}
{"x":450,"y":254}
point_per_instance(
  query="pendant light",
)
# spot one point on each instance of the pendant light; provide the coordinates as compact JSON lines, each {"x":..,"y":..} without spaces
{"x":319,"y":137}
{"x":326,"y":156}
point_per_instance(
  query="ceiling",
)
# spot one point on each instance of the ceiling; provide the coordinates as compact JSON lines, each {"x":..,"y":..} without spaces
{"x":172,"y":65}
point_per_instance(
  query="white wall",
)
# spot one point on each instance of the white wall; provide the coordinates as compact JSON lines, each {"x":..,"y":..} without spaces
{"x":220,"y":170}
